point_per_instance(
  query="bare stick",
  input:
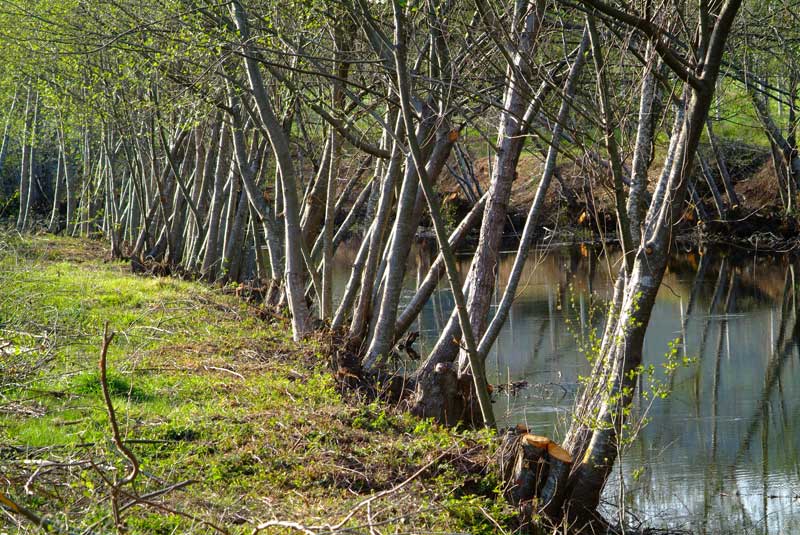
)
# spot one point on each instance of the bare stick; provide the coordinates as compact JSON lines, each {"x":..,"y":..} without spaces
{"x":112,"y":418}
{"x":115,"y":434}
{"x":283,"y":524}
{"x":15,"y":508}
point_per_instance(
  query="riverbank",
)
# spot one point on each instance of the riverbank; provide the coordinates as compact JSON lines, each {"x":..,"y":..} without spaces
{"x":232,"y":423}
{"x":581,"y":209}
{"x":243,"y":426}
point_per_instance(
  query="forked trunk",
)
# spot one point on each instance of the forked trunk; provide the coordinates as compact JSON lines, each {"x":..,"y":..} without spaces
{"x":593,"y":439}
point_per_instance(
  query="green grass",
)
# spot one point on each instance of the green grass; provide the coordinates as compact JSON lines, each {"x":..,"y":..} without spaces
{"x":205,"y":391}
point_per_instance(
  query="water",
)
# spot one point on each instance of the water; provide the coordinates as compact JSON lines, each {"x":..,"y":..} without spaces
{"x":720,"y":453}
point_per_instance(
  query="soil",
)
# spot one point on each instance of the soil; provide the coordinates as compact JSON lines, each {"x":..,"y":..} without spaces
{"x":580,"y":209}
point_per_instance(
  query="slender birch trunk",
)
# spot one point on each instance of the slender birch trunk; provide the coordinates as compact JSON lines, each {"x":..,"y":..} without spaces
{"x":280,"y":146}
{"x":24,"y":171}
{"x":643,"y":148}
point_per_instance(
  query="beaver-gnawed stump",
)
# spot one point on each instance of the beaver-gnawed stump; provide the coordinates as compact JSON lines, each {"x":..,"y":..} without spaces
{"x":534,"y":470}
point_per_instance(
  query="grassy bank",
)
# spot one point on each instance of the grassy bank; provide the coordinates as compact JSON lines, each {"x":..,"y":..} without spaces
{"x":211,"y":397}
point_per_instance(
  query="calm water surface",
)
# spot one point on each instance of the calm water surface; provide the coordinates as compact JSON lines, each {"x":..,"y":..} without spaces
{"x":720,"y":453}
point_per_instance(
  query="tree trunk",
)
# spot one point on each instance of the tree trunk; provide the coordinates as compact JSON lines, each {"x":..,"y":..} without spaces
{"x":594,"y":436}
{"x":223,"y":160}
{"x":790,"y":156}
{"x":402,"y":234}
{"x":478,"y":369}
{"x":25,"y":183}
{"x":503,"y":308}
{"x":326,"y":304}
{"x":643,"y":148}
{"x":510,"y":142}
{"x":722,"y":167}
{"x":55,"y":212}
{"x":280,"y":145}
{"x":376,"y":239}
{"x":436,"y":271}
{"x":6,"y":137}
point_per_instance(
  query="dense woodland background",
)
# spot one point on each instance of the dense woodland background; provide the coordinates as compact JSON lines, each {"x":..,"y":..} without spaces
{"x":245,"y":141}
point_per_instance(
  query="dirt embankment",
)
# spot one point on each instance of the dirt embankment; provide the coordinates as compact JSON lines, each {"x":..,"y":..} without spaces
{"x":580,"y":203}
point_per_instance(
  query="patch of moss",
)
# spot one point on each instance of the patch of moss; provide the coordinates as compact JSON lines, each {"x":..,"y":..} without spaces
{"x":88,"y":383}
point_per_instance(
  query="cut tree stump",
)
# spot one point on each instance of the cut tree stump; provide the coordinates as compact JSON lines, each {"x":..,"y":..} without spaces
{"x":535,"y":470}
{"x":560,"y":464}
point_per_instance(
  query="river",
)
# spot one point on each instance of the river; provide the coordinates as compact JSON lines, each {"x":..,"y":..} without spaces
{"x":719,"y":453}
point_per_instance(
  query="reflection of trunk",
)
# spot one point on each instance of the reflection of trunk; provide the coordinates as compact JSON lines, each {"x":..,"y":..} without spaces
{"x":765,"y":470}
{"x":784,"y":348}
{"x":721,"y":337}
{"x":722,"y":278}
{"x":699,"y":277}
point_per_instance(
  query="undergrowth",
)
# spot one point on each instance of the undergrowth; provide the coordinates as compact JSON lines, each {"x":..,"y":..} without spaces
{"x":249,"y":426}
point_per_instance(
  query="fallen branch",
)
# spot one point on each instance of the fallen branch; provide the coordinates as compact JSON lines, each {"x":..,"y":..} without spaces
{"x":29,"y":515}
{"x":226,"y":370}
{"x":364,"y":503}
{"x":283,"y":524}
{"x":157,"y":493}
{"x":386,"y":492}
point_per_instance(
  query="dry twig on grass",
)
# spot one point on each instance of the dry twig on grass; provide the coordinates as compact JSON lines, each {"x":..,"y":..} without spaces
{"x":116,"y":437}
{"x":19,"y":510}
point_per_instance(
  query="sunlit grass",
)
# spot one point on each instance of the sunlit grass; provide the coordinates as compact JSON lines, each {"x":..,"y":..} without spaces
{"x":206,"y":391}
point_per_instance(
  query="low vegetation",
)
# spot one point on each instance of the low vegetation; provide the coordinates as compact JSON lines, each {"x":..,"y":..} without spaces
{"x":233,"y":424}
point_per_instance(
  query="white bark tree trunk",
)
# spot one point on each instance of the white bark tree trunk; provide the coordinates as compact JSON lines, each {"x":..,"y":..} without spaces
{"x":280,"y":145}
